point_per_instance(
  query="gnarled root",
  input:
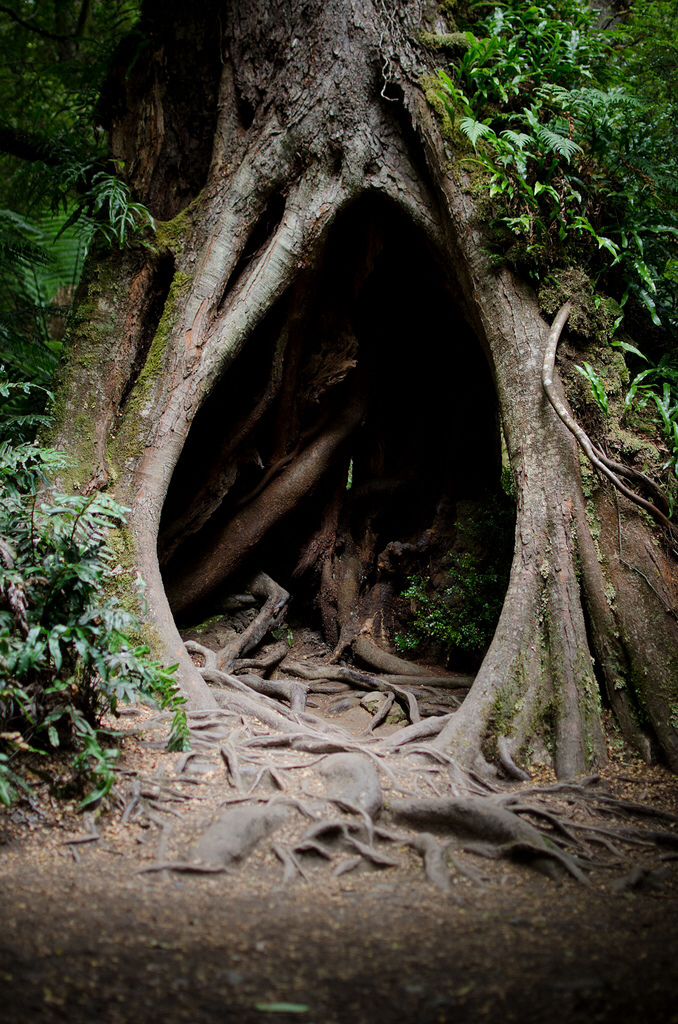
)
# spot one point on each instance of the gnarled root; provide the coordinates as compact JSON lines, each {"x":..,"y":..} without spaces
{"x":268,"y":618}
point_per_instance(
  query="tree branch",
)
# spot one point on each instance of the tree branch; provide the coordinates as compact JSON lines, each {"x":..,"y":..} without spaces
{"x":32,"y":27}
{"x":28,"y":146}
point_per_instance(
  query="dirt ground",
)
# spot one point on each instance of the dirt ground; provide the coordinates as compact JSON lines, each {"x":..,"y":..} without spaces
{"x":88,"y":935}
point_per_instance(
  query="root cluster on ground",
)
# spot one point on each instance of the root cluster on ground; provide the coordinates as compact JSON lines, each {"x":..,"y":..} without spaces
{"x":321,"y":795}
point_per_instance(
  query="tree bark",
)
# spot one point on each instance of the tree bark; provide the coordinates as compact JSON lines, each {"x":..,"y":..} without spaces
{"x":309,"y":108}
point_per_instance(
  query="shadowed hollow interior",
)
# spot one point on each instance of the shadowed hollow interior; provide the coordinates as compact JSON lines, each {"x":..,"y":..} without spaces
{"x":351,"y":437}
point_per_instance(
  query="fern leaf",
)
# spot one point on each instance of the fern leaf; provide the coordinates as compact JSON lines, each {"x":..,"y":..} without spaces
{"x":474,"y":130}
{"x":559,"y":144}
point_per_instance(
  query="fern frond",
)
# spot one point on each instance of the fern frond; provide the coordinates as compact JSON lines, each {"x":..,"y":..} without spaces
{"x":517,"y":139}
{"x":474,"y":130}
{"x":558,"y":144}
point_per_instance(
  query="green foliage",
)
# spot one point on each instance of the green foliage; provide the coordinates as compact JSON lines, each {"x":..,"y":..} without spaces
{"x":60,"y":191}
{"x":656,"y":387}
{"x":573,"y":132}
{"x":66,"y":654}
{"x":579,"y":165}
{"x":597,"y":387}
{"x":54,"y":59}
{"x":113,"y":212}
{"x":41,"y":261}
{"x":462,"y":617}
{"x":15,"y":422}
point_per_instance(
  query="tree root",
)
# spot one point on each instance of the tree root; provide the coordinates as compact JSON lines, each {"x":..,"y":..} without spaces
{"x":250,"y":525}
{"x":264,"y":662}
{"x":507,"y":762}
{"x":182,"y":867}
{"x":468,"y":814}
{"x":605,"y":466}
{"x":385,"y":684}
{"x":382,"y":712}
{"x":375,"y":657}
{"x":291,"y":863}
{"x":492,"y":829}
{"x":275,"y":601}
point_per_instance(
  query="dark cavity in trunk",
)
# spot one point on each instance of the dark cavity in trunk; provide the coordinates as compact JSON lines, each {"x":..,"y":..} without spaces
{"x":367,"y":381}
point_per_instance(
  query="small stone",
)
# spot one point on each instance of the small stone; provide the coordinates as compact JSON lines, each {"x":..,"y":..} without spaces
{"x":373,"y":701}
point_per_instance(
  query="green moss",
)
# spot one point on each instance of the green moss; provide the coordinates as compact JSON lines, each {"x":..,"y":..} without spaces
{"x":125,"y":586}
{"x":207,"y":625}
{"x":449,"y":8}
{"x":81,"y":387}
{"x":431,"y":86}
{"x":509,"y":702}
{"x":593,"y":316}
{"x":454,"y":43}
{"x":181,"y":284}
{"x":173,"y":235}
{"x":590,"y":704}
{"x":128,"y":442}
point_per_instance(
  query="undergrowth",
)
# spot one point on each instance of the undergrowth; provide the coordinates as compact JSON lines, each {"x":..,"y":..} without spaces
{"x":67,"y":657}
{"x":572,"y":131}
{"x":461,"y":617}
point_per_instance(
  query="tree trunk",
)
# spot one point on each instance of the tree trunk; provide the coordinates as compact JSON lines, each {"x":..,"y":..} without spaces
{"x":319,"y":302}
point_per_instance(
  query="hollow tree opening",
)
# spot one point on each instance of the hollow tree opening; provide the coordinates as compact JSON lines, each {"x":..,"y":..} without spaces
{"x":262,"y":481}
{"x":352,"y":447}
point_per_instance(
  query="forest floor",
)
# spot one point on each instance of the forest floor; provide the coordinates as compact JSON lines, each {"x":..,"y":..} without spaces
{"x":95,"y":929}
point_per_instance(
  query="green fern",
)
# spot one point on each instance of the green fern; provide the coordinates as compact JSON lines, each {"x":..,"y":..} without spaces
{"x":474,"y":130}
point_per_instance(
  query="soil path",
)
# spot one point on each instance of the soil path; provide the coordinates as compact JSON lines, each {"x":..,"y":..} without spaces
{"x":89,"y":935}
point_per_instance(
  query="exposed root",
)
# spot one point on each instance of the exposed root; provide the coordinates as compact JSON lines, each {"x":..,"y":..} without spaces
{"x":293,"y":692}
{"x":382,"y":712}
{"x":264,"y":662}
{"x":492,"y":829}
{"x":375,"y":657}
{"x":209,"y":657}
{"x":291,"y":863}
{"x":507,"y":762}
{"x":432,"y":852}
{"x":420,"y":730}
{"x":268,"y":618}
{"x":353,"y":677}
{"x":605,"y":466}
{"x":251,"y":524}
{"x":467,"y":814}
{"x":182,"y":867}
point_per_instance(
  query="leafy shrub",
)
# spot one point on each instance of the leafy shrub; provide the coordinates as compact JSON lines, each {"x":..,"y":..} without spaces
{"x":573,"y":129}
{"x":463,"y":616}
{"x":575,"y":159}
{"x":67,"y":657}
{"x":657,"y":387}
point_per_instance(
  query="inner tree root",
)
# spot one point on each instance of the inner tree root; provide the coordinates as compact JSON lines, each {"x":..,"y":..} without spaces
{"x":382,"y":661}
{"x":246,"y":530}
{"x":275,"y":602}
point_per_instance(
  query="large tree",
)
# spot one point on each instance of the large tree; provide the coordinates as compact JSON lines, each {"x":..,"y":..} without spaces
{"x":319,"y":300}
